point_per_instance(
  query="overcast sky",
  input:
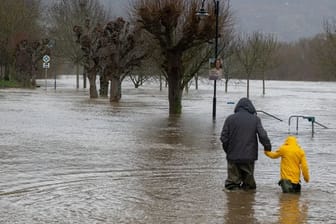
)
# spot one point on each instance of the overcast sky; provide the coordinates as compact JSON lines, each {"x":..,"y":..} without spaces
{"x":289,"y":20}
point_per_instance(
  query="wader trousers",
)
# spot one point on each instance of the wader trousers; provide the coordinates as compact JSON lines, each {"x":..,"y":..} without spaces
{"x":240,"y":176}
{"x":289,"y":187}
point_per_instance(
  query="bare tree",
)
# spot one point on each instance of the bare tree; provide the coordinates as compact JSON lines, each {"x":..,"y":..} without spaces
{"x":253,"y":52}
{"x":18,"y":22}
{"x":267,"y":59}
{"x":327,"y":47}
{"x":63,"y":16}
{"x":177,"y":29}
{"x":123,"y":51}
{"x":248,"y":52}
{"x":88,"y":42}
{"x":228,"y":51}
{"x":113,"y":50}
{"x":27,"y":56}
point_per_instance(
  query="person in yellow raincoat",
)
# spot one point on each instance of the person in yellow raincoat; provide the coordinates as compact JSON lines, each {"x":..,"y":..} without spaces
{"x":293,"y":162}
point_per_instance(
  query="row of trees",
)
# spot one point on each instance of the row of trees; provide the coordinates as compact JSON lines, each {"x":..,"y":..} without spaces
{"x":18,"y":22}
{"x":160,"y":37}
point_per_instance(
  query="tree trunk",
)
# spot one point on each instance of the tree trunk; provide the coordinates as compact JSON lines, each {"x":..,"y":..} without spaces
{"x":186,"y":89}
{"x":160,"y":82}
{"x":84,"y":79}
{"x":92,"y":81}
{"x":175,"y":87}
{"x":7,"y":72}
{"x":25,"y":79}
{"x":263,"y":84}
{"x":103,"y":91}
{"x":174,"y":95}
{"x":115,"y":89}
{"x":33,"y":78}
{"x":248,"y":87}
{"x":226,"y":84}
{"x":196,"y":81}
{"x":77,"y":75}
{"x":1,"y":72}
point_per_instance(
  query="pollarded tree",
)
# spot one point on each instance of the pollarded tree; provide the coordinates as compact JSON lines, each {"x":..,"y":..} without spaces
{"x":177,"y":29}
{"x":113,"y":50}
{"x":88,"y":41}
{"x":63,"y":16}
{"x":132,"y":51}
{"x":122,"y":49}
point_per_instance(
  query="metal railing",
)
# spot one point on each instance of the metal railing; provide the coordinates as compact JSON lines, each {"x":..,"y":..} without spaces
{"x":268,"y":114}
{"x":309,"y":118}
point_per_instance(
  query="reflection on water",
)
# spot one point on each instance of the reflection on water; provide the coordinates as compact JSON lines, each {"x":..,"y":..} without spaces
{"x":65,"y":158}
{"x":292,"y":210}
{"x":240,"y":207}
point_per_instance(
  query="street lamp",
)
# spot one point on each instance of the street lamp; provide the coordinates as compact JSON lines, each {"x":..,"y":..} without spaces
{"x":202,"y":12}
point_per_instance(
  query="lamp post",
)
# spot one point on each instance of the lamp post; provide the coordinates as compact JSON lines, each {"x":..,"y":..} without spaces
{"x":203,"y":12}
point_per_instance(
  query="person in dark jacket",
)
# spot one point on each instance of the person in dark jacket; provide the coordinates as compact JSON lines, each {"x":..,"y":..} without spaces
{"x":239,"y":138}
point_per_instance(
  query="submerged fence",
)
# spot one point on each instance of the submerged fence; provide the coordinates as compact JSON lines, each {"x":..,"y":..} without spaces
{"x":308,"y":118}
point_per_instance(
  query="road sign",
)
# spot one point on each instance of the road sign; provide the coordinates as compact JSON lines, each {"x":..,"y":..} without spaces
{"x":46,"y":58}
{"x":46,"y":65}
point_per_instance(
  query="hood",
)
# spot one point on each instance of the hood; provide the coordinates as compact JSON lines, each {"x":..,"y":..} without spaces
{"x":245,"y":104}
{"x":291,"y":140}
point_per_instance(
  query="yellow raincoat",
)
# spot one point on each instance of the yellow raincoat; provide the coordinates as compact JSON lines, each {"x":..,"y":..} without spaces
{"x":293,"y":160}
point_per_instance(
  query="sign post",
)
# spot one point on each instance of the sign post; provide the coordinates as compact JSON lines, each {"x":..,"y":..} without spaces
{"x":46,"y":65}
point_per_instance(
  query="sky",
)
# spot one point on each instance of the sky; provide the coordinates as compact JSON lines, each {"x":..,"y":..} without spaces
{"x":288,"y":20}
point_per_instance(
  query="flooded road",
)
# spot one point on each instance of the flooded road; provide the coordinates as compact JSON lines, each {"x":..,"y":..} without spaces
{"x":67,"y":159}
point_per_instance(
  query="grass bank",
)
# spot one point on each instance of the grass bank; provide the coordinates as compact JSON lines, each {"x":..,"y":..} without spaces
{"x":8,"y":84}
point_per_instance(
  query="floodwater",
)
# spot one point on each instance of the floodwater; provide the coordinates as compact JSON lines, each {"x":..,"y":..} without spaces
{"x":67,"y":159}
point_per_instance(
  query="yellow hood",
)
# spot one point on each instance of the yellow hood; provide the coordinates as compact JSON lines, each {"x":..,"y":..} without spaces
{"x":291,"y":140}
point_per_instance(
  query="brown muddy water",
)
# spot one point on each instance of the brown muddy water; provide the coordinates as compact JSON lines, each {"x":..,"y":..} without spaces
{"x":67,"y":159}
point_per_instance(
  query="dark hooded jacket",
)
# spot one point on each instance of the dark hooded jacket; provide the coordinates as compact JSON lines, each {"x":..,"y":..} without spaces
{"x":241,"y":132}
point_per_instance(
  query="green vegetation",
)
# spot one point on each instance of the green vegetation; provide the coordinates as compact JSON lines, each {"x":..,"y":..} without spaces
{"x":8,"y":84}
